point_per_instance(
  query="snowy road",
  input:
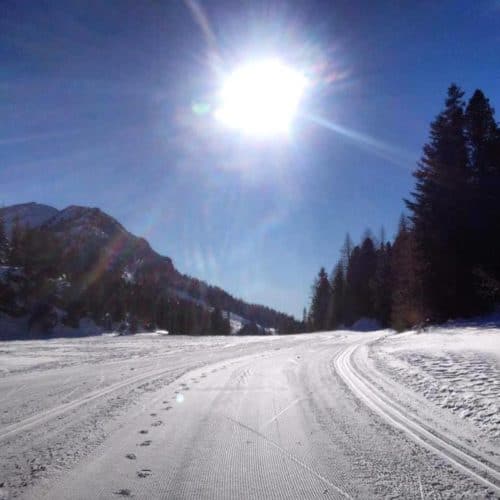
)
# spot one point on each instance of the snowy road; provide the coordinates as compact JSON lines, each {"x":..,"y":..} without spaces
{"x":308,"y":416}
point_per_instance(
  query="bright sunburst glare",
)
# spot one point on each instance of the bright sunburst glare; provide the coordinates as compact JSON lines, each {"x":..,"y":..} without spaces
{"x":261,"y":98}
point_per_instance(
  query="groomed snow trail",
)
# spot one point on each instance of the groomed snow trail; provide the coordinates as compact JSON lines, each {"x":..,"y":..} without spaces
{"x":219,"y":418}
{"x":458,"y":454}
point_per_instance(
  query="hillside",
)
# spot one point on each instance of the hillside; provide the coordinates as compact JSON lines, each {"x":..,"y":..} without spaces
{"x":83,"y":262}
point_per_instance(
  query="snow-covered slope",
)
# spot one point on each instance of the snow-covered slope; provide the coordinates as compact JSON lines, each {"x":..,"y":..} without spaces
{"x":28,"y":214}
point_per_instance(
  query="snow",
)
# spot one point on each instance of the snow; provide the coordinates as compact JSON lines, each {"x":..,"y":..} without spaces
{"x":225,"y":417}
{"x":128,"y":276}
{"x":455,"y":368}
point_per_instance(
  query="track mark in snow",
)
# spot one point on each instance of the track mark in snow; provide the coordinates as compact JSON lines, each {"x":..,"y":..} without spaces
{"x":12,"y":391}
{"x":58,"y":411}
{"x":130,"y":456}
{"x":293,"y":403}
{"x":485,"y":473}
{"x":292,"y":457}
{"x":146,"y":443}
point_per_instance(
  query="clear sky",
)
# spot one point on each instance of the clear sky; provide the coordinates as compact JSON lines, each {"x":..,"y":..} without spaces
{"x":100,"y":105}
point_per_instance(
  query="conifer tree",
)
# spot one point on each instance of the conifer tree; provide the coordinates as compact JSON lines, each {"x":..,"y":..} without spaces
{"x":16,"y":243}
{"x":320,"y":302}
{"x":381,"y":284}
{"x":483,"y":141}
{"x":406,"y":297}
{"x":337,"y":293}
{"x":439,"y":212}
{"x":4,"y":244}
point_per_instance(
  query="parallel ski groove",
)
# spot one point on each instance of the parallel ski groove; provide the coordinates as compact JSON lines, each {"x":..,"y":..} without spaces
{"x":56,"y":411}
{"x":439,"y":444}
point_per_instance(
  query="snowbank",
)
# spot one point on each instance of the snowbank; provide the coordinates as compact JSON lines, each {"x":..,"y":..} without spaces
{"x":456,"y":368}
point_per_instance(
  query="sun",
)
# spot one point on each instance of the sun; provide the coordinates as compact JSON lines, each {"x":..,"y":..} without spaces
{"x":261,"y":98}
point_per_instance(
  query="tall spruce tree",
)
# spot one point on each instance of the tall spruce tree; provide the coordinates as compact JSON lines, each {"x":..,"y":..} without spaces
{"x":439,"y":212}
{"x":483,"y":143}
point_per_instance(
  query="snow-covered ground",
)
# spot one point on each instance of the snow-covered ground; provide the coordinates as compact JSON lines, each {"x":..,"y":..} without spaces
{"x":326,"y":415}
{"x":455,"y":368}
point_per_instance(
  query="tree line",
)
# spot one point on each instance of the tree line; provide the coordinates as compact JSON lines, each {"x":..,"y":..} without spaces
{"x":444,"y":261}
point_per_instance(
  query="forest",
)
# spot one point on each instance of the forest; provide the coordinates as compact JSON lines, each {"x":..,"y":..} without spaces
{"x":48,"y":277}
{"x":444,"y":261}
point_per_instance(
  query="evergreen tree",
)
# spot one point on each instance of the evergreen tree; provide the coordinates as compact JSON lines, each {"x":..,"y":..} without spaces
{"x":482,"y":133}
{"x":359,"y":276}
{"x":16,"y":244}
{"x":219,"y":325}
{"x":338,"y":292}
{"x":439,"y":212}
{"x":346,"y":251}
{"x":381,"y":284}
{"x":483,"y":144}
{"x":406,"y":299}
{"x":321,"y":302}
{"x":4,"y":244}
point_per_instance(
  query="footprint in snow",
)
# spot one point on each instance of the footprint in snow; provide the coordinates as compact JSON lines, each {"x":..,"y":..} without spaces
{"x":153,"y":414}
{"x":124,"y":492}
{"x":144,"y":473}
{"x":130,"y":456}
{"x":157,"y":423}
{"x":167,"y":408}
{"x":146,"y":443}
{"x":143,"y":431}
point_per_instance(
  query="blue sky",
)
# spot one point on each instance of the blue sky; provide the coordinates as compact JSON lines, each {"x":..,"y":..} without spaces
{"x":97,"y":98}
